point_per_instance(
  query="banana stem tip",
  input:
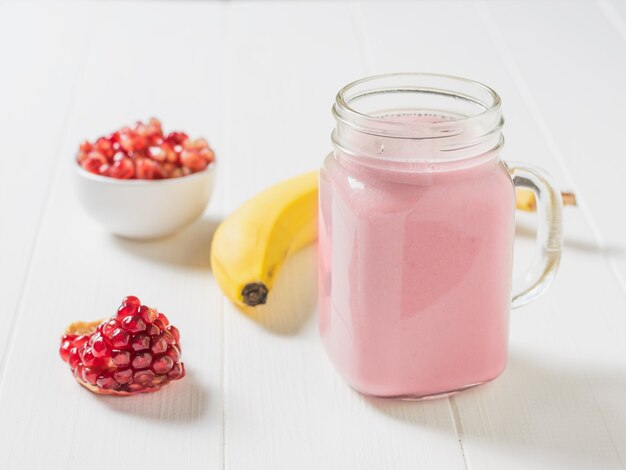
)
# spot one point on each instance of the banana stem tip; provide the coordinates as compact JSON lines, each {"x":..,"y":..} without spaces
{"x":254,"y":293}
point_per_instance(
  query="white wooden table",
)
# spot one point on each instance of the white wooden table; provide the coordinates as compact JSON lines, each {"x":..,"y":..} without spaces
{"x":258,"y":79}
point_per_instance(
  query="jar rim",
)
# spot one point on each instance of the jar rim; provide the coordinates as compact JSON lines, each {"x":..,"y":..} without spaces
{"x":488,"y":119}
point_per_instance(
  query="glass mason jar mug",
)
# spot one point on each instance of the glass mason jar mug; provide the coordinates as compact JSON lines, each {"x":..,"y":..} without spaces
{"x":416,"y":231}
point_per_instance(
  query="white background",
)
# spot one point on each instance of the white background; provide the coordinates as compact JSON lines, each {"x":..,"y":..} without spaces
{"x":258,"y":79}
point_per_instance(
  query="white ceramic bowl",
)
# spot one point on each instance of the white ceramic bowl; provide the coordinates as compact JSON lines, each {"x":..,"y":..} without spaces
{"x":145,"y":209}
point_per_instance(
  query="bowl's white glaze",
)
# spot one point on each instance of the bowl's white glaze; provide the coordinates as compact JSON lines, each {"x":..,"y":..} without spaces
{"x":145,"y":209}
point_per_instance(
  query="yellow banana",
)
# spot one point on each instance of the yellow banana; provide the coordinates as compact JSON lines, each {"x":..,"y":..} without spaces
{"x":525,"y":199}
{"x":250,"y":246}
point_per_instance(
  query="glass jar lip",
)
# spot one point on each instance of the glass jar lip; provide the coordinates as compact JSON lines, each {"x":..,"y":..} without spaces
{"x":375,"y":125}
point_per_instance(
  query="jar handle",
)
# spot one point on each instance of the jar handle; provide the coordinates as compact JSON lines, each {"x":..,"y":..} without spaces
{"x":549,"y":234}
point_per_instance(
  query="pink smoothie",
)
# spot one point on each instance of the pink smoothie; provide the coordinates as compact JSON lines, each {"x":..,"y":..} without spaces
{"x":415,"y":274}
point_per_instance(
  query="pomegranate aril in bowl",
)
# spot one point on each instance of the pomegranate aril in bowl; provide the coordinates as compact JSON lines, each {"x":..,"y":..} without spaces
{"x":142,"y":183}
{"x":124,"y":354}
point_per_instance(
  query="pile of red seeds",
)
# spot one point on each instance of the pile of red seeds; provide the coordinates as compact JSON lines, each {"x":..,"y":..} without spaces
{"x":134,"y":351}
{"x":145,"y":152}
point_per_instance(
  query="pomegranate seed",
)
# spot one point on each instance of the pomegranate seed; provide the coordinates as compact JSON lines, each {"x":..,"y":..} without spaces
{"x":78,"y":372}
{"x":208,"y":154}
{"x":148,"y":314}
{"x":107,"y":383}
{"x":168,"y":169}
{"x":139,"y":142}
{"x":119,"y":156}
{"x":99,"y":348}
{"x":73,"y":358}
{"x":66,"y":345}
{"x":86,"y":146}
{"x":109,"y":327}
{"x":173,"y":352}
{"x":142,"y":360}
{"x":162,"y":364}
{"x":140,"y":342}
{"x":89,"y":375}
{"x":163,"y":320}
{"x":134,"y":324}
{"x":131,"y":300}
{"x":176,"y":138}
{"x":169,"y":337}
{"x":154,"y":128}
{"x":143,"y":377}
{"x":159,"y":378}
{"x":92,"y":165}
{"x":123,"y":376}
{"x":105,"y":147}
{"x":120,"y":339}
{"x":126,"y":140}
{"x":157,"y":153}
{"x":153,"y":330}
{"x":158,"y":173}
{"x":81,"y":340}
{"x":158,"y":345}
{"x":170,"y":154}
{"x":88,"y":358}
{"x":104,"y":169}
{"x":116,"y":137}
{"x":126,"y":310}
{"x":95,"y":155}
{"x":96,"y":336}
{"x":197,"y":144}
{"x":172,"y":329}
{"x":120,"y":358}
{"x":140,"y":129}
{"x":147,"y":169}
{"x":193,"y":160}
{"x":122,"y":169}
{"x":177,"y":372}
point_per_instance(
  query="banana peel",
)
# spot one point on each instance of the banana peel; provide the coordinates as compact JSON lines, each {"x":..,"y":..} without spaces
{"x":251,"y":245}
{"x":525,"y":199}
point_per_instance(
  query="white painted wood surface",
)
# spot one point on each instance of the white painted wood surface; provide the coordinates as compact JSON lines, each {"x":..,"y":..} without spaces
{"x":258,"y":79}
